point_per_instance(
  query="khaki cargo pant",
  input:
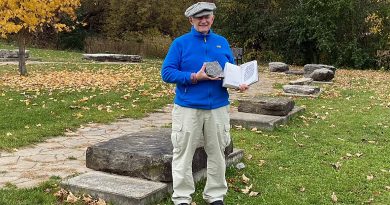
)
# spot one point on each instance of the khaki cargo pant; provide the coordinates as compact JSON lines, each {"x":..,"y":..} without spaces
{"x":192,"y":128}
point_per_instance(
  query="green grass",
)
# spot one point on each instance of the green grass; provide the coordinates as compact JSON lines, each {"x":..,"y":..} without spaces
{"x":298,"y":157}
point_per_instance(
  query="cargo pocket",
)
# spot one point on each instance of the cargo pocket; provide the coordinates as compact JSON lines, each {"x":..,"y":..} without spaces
{"x":177,"y":137}
{"x":225,"y":135}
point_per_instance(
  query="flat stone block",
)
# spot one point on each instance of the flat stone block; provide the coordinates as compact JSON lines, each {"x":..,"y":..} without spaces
{"x":124,"y":190}
{"x":301,"y":89}
{"x":112,"y":57}
{"x":145,"y":155}
{"x":266,"y":105}
{"x":301,"y":81}
{"x":120,"y":190}
{"x":4,"y":53}
{"x":266,"y":122}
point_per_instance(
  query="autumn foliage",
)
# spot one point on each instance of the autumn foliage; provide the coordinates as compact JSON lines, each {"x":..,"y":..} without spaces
{"x":24,"y":17}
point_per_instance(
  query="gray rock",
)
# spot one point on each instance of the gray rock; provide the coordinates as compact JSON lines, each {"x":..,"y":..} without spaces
{"x":278,"y":67}
{"x":121,"y":190}
{"x":322,"y":74}
{"x":266,"y":106}
{"x":213,"y":69}
{"x":112,"y":57}
{"x":4,"y":53}
{"x":259,"y":121}
{"x":301,"y":89}
{"x":309,"y":68}
{"x":240,"y":166}
{"x":145,"y":155}
{"x":301,"y":81}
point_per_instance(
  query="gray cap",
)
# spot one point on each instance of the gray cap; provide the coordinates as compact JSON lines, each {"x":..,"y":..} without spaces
{"x":200,"y":9}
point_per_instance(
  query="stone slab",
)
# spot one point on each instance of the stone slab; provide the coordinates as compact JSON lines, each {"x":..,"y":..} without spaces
{"x":266,"y":122}
{"x":120,"y":190}
{"x":266,"y":105}
{"x":112,"y":57}
{"x":301,"y":89}
{"x":5,"y":53}
{"x":124,"y":190}
{"x":145,"y":155}
{"x":316,"y":95}
{"x":301,"y":81}
{"x":17,"y":59}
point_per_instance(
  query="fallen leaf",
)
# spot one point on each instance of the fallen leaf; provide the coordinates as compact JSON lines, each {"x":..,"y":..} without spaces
{"x":334,"y":197}
{"x":387,"y":188}
{"x":302,"y":189}
{"x":252,"y":193}
{"x":101,"y":202}
{"x":358,"y":154}
{"x":245,"y":179}
{"x":261,"y":162}
{"x":247,"y":189}
{"x":249,"y":157}
{"x":336,"y":165}
{"x":87,"y":198}
{"x":9,"y":134}
{"x":193,"y":203}
{"x":71,"y":198}
{"x":370,"y":177}
{"x":61,"y":193}
{"x":254,"y":129}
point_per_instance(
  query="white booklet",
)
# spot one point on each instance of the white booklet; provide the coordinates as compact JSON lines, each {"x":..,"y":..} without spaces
{"x":235,"y":75}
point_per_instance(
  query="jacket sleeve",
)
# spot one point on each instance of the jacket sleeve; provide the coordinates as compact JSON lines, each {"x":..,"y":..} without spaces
{"x":171,"y":71}
{"x":230,"y":52}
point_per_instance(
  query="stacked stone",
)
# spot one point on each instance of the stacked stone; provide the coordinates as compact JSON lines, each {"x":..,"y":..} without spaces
{"x":319,"y":72}
{"x":266,"y":106}
{"x":146,"y":155}
{"x":264,"y":112}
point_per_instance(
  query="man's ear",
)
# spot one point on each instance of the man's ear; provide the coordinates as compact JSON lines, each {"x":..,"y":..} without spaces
{"x":190,"y":20}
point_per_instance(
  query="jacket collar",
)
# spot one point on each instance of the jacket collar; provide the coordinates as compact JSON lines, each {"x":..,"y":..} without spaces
{"x":199,"y":34}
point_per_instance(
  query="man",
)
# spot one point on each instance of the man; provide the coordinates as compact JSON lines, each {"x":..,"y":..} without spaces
{"x":201,"y":110}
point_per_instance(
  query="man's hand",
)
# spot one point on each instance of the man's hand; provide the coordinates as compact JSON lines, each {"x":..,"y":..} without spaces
{"x":243,"y":87}
{"x":201,"y":75}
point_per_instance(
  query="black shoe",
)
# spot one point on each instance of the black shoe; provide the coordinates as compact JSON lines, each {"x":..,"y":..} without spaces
{"x":219,"y":202}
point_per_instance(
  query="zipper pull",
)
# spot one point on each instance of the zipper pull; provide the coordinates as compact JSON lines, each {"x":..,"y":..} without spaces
{"x":205,"y":40}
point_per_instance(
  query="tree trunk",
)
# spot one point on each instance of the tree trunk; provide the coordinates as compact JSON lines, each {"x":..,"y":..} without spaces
{"x":22,"y":54}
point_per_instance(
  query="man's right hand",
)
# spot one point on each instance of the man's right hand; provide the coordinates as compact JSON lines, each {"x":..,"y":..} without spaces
{"x":201,"y":75}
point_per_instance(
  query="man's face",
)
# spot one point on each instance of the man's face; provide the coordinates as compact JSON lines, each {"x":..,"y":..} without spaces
{"x":202,"y":24}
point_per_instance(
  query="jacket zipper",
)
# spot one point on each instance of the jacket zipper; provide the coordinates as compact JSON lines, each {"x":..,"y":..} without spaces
{"x":209,"y":92}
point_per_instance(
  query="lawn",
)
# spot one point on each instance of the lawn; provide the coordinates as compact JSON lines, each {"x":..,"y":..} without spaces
{"x":336,"y":152}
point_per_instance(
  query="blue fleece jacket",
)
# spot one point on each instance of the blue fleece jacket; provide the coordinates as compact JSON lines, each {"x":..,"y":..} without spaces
{"x":187,"y":55}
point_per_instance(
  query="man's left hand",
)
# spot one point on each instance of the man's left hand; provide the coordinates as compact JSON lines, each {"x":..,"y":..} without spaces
{"x":243,"y":87}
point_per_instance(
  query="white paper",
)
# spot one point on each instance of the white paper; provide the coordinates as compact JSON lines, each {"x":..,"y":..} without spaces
{"x":236,"y":75}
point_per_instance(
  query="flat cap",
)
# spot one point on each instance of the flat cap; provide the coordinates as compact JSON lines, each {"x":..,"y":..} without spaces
{"x":200,"y":9}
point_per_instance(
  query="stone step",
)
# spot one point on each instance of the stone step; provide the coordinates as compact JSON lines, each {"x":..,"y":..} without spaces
{"x":120,"y":190}
{"x":124,"y":190}
{"x":266,"y":122}
{"x":146,"y":154}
